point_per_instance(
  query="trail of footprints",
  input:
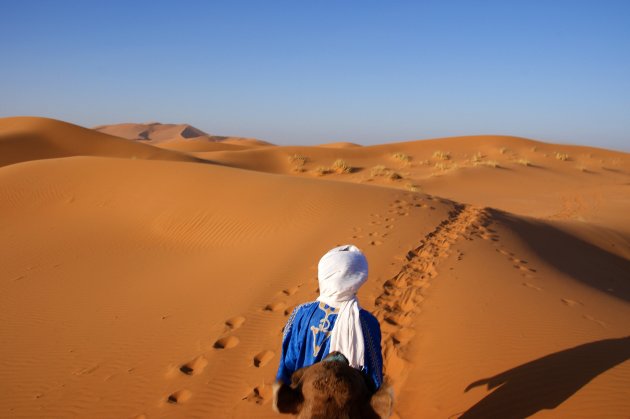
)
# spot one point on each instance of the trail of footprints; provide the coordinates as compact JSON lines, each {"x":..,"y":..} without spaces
{"x":402,"y":294}
{"x":382,"y":226}
{"x":260,"y":393}
{"x":529,"y":273}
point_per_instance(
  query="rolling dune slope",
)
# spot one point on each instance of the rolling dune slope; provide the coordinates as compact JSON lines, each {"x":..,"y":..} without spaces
{"x":33,"y":138}
{"x":157,"y":286}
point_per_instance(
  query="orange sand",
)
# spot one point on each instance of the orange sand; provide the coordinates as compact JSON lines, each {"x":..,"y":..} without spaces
{"x":151,"y":278}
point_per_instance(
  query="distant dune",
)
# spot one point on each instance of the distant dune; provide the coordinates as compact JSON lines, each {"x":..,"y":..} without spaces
{"x":174,"y":136}
{"x":151,"y":277}
{"x":30,"y":138}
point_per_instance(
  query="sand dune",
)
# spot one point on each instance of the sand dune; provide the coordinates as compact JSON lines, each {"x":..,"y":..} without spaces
{"x":157,"y":286}
{"x":29,"y":138}
{"x":176,"y":136}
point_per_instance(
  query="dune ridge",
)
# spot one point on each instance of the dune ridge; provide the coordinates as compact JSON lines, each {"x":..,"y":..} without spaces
{"x":142,"y":281}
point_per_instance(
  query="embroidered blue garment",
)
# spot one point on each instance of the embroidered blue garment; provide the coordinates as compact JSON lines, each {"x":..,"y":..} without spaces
{"x":306,"y":340}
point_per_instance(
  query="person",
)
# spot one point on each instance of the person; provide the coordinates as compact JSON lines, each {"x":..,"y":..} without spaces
{"x":335,"y":321}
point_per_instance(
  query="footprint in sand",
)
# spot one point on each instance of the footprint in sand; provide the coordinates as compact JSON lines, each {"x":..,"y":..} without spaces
{"x":290,"y":309}
{"x":571,"y":303}
{"x":277,"y":306}
{"x":290,"y":291}
{"x":260,"y":394}
{"x":262,"y":358}
{"x":179,"y":397}
{"x":593,"y":319}
{"x":235,"y":322}
{"x":403,"y":336}
{"x":505,"y":252}
{"x":194,"y":366}
{"x":532,"y":286}
{"x":226,"y":342}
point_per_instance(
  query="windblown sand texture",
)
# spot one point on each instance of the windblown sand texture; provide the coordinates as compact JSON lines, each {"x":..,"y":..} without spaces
{"x":150,"y":276}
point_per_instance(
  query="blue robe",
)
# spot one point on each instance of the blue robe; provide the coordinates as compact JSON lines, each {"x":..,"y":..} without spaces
{"x":306,"y":340}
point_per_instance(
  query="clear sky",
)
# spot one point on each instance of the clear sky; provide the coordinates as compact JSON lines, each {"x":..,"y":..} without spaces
{"x":308,"y":72}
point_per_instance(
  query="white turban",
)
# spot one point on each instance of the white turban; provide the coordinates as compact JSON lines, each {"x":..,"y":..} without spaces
{"x":341,"y":272}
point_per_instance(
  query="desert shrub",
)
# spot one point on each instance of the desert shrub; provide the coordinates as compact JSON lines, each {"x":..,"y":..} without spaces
{"x":503,"y":150}
{"x":488,"y":163}
{"x":379,"y":170}
{"x":404,"y":158}
{"x":298,"y":162}
{"x":383,"y":171}
{"x":322,"y":170}
{"x":393,"y":176}
{"x":562,"y":156}
{"x":340,"y":166}
{"x":477,"y":157}
{"x":411,"y":187}
{"x":298,"y":159}
{"x":442,"y":155}
{"x":524,"y":162}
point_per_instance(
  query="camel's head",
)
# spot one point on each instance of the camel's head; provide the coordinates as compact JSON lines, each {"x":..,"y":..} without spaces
{"x":331,"y":389}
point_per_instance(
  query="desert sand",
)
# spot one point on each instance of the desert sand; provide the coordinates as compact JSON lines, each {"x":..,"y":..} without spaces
{"x":148,"y":270}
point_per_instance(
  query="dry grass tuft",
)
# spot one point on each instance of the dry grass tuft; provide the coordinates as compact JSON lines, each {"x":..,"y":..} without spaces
{"x":442,"y":155}
{"x":322,"y":170}
{"x":524,"y":162}
{"x":298,"y":161}
{"x":379,"y":170}
{"x":340,"y":166}
{"x":383,"y":171}
{"x":488,"y":163}
{"x":477,"y":157}
{"x":394,"y":176}
{"x":562,"y":156}
{"x":402,"y":157}
{"x":411,"y":187}
{"x":503,"y":150}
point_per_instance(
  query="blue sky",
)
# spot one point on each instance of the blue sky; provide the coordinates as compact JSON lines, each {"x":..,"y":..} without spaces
{"x":308,"y":72}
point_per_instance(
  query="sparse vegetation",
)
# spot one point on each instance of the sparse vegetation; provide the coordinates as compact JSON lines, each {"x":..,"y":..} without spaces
{"x":322,"y":170}
{"x":442,"y":155}
{"x":524,"y":162}
{"x":503,"y":150}
{"x":380,"y":170}
{"x":402,"y":157}
{"x":394,"y":176}
{"x":489,"y":163}
{"x":477,"y":157}
{"x":298,"y":161}
{"x":562,"y":156}
{"x":340,"y":166}
{"x":445,"y":166}
{"x":534,"y":149}
{"x":411,"y":187}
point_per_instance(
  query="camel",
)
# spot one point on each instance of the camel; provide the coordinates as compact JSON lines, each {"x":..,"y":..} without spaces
{"x":331,"y":389}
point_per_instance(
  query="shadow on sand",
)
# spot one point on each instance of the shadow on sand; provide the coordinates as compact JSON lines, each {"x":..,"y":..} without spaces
{"x":571,"y":255}
{"x":548,"y":381}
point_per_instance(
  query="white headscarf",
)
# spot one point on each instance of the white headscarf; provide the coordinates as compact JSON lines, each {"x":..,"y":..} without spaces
{"x":341,"y":272}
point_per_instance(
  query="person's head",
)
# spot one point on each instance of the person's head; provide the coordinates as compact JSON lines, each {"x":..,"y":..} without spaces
{"x":341,"y":272}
